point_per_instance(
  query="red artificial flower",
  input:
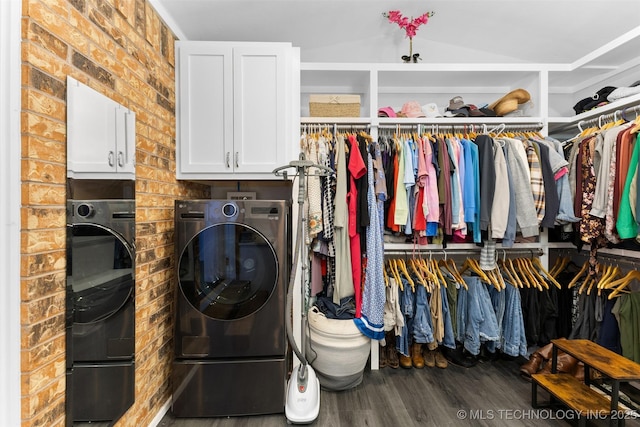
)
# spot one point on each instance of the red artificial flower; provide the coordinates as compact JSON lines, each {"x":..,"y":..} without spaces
{"x":410,"y":26}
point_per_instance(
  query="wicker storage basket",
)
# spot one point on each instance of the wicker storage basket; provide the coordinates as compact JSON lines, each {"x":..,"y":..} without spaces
{"x":334,"y":105}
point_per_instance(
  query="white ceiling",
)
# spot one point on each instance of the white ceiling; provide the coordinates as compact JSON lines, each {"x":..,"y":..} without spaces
{"x":535,"y":31}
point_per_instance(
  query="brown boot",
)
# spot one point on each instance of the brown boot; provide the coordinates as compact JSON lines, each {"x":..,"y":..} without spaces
{"x":441,"y":362}
{"x":416,"y":355}
{"x":392,"y":357}
{"x":382,"y":353}
{"x":545,"y":351}
{"x":532,"y":366}
{"x":430,"y":358}
{"x":404,"y":361}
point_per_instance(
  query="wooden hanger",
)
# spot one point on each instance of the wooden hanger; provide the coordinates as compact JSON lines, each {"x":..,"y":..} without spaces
{"x":620,"y":289}
{"x":587,"y":284}
{"x":610,"y":274}
{"x":385,"y":275}
{"x":542,"y":281}
{"x":546,"y":275}
{"x":622,"y":283}
{"x":418,"y":274}
{"x":403,"y":269}
{"x":559,"y":265}
{"x":438,"y":272}
{"x":578,"y":275}
{"x":505,"y":270}
{"x":422,"y":266}
{"x":529,"y":280}
{"x":514,"y":273}
{"x":394,"y":272}
{"x":472,"y":264}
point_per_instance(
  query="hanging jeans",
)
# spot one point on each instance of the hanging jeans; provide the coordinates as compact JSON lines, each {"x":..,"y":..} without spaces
{"x":448,"y":340}
{"x":479,"y":323}
{"x":514,"y":338}
{"x":406,"y":305}
{"x":498,"y":303}
{"x":422,"y":323}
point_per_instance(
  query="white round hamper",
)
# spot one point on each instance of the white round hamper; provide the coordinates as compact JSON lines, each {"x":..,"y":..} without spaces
{"x":337,"y":350}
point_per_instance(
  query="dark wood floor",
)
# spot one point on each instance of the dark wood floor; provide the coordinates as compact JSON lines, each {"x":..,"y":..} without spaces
{"x":488,"y":394}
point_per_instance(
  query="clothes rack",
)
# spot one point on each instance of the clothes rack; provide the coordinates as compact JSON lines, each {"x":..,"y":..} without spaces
{"x":500,"y":252}
{"x":610,"y":117}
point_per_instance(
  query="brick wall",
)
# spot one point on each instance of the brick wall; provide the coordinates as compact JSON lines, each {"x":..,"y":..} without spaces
{"x":122,"y":49}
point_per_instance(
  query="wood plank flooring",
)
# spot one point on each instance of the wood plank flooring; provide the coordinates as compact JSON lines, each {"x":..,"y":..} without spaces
{"x":488,"y":394}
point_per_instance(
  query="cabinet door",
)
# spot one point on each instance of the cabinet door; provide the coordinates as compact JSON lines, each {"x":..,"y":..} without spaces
{"x":91,"y":130}
{"x":125,"y":143}
{"x":262,"y":76}
{"x":100,"y":135}
{"x":205,"y":108}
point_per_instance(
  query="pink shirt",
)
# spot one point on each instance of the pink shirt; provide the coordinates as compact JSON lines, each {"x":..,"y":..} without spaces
{"x":357,"y":169}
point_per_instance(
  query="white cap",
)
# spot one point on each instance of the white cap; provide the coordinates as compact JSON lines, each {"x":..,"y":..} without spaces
{"x":431,"y":110}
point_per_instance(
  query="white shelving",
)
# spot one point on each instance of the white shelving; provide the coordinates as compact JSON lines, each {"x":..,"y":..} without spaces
{"x":554,"y":88}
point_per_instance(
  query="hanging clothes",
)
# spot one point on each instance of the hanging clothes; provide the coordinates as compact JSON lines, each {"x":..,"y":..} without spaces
{"x":371,"y":319}
{"x":344,"y":274}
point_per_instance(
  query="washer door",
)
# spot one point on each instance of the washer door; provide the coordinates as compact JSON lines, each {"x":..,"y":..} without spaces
{"x":100,"y":270}
{"x":228,"y":271}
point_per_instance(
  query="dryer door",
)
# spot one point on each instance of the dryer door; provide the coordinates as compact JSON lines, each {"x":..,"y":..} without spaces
{"x":228,"y":271}
{"x":100,"y":270}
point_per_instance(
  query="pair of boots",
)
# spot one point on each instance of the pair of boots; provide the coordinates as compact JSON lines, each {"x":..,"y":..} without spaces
{"x":540,"y":361}
{"x":417,"y":359}
{"x":435,"y":358}
{"x":388,"y":353}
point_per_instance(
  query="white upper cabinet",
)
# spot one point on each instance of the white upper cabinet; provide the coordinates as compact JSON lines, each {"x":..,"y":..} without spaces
{"x":235,"y":109}
{"x":100,"y":135}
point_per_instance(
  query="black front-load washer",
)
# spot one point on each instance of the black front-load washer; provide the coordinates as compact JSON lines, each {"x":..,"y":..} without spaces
{"x":100,"y":308}
{"x":232,"y":261}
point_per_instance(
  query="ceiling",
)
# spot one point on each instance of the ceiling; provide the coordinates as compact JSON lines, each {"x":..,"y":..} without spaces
{"x":534,"y":31}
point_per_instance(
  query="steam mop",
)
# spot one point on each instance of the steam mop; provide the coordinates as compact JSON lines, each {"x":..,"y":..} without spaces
{"x":302,"y":403}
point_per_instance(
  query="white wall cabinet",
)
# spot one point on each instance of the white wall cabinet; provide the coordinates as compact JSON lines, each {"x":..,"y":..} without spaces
{"x":235,"y":109}
{"x":100,"y":135}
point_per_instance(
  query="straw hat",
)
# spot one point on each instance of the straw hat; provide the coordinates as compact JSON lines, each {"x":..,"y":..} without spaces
{"x":510,"y":102}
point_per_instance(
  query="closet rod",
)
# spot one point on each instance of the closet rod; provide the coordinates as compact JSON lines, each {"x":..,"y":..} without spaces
{"x":332,"y":124}
{"x":602,"y":258}
{"x":476,"y":127}
{"x":500,"y":252}
{"x":609,"y":117}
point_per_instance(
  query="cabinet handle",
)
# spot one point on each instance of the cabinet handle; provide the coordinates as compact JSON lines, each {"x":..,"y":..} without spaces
{"x":111,"y":158}
{"x":237,"y":159}
{"x":120,"y":159}
{"x":228,"y":159}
